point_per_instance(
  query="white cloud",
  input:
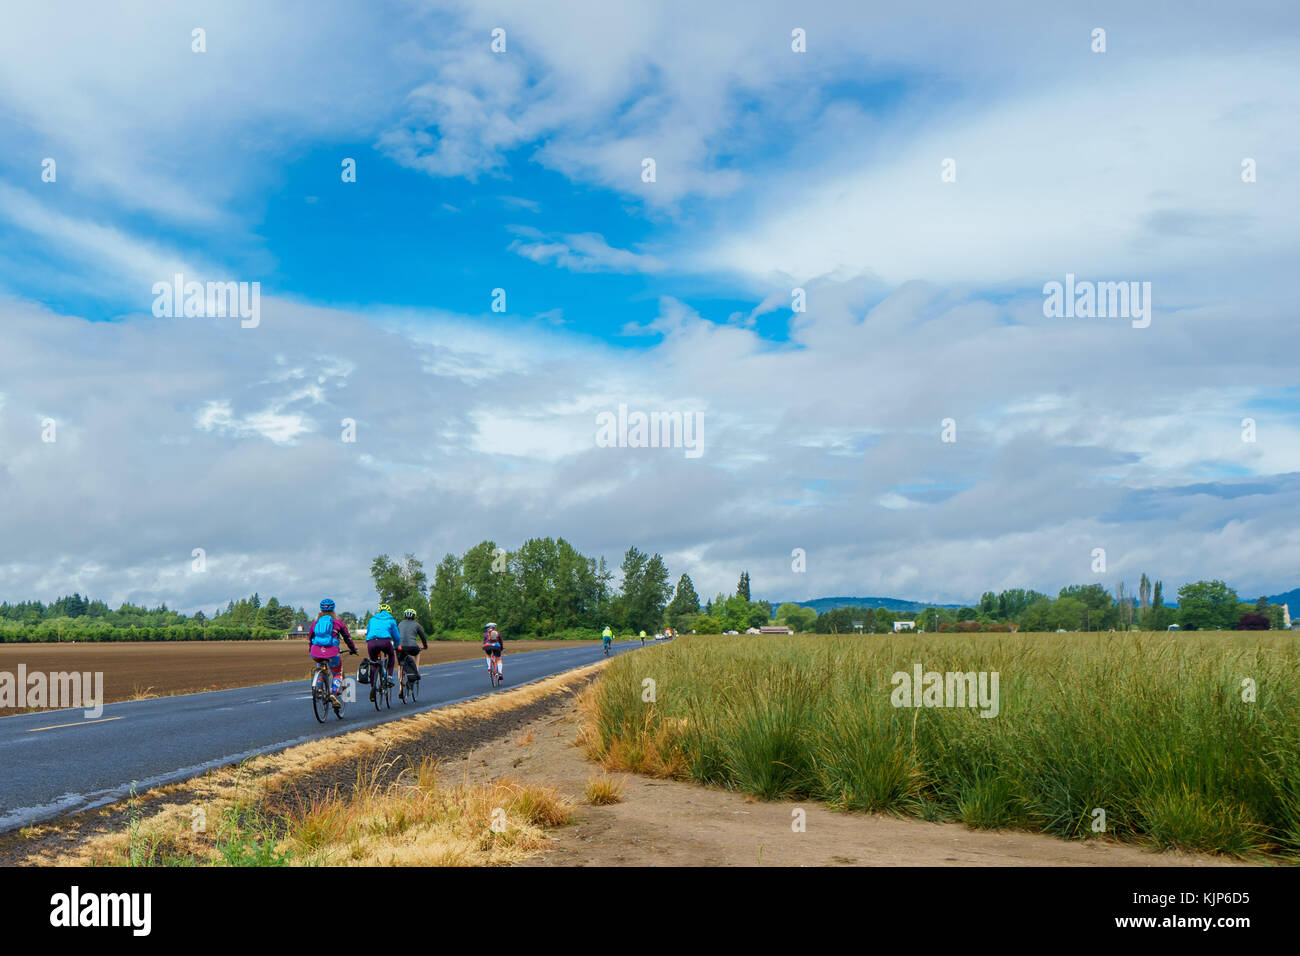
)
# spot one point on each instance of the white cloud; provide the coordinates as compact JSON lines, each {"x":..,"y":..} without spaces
{"x":278,"y":427}
{"x":230,"y":443}
{"x":1078,"y":178}
{"x":583,"y":252}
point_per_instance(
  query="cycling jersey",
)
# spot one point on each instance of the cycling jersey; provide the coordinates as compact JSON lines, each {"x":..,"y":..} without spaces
{"x":326,"y":647}
{"x":383,"y":625}
{"x":412,"y":634}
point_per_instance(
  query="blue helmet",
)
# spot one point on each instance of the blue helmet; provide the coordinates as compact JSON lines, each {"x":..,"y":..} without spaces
{"x":326,"y":605}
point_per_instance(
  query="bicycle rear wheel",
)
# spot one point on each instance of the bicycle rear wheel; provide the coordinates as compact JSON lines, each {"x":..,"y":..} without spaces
{"x":320,"y":704}
{"x":409,"y":680}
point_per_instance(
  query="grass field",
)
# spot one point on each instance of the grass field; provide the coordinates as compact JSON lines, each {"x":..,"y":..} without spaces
{"x":1150,"y":728}
{"x":156,"y":669}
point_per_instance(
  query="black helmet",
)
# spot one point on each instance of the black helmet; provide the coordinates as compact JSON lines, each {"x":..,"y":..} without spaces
{"x":408,"y":613}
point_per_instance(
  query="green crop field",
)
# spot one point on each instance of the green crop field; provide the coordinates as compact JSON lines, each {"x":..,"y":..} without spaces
{"x":1188,"y":740}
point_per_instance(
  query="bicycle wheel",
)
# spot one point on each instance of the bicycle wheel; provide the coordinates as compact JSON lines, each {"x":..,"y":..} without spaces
{"x":388,"y":691}
{"x":320,"y":704}
{"x":341,"y":707}
{"x":412,"y":690}
{"x":409,"y":674}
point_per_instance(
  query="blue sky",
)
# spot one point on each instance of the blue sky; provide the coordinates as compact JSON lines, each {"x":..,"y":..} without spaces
{"x":777,"y":170}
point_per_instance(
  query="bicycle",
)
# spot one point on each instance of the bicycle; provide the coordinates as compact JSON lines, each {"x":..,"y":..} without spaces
{"x":381,"y":685}
{"x":410,"y":675}
{"x":494,"y":670}
{"x":606,"y":643}
{"x":322,"y":683}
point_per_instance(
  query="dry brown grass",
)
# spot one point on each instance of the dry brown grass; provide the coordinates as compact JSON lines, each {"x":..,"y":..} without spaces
{"x":602,"y":790}
{"x":417,"y":820}
{"x":654,"y":752}
{"x":420,"y":821}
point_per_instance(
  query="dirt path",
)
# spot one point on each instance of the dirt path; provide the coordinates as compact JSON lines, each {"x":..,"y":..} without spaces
{"x":157,"y":669}
{"x":667,"y":823}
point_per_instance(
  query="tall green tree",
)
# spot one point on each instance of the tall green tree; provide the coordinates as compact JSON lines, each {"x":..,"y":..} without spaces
{"x":1205,"y":605}
{"x":448,"y":598}
{"x":401,"y":584}
{"x":685,"y":603}
{"x":645,"y":590}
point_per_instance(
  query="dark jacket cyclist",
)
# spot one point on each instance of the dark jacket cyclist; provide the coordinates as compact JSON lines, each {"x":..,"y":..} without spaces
{"x":410,"y":642}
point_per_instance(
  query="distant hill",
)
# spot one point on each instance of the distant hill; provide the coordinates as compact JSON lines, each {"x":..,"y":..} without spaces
{"x":1291,"y":598}
{"x":821,"y":605}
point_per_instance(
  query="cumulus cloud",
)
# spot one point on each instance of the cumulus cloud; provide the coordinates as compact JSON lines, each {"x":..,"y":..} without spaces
{"x":182,"y":433}
{"x":773,"y":169}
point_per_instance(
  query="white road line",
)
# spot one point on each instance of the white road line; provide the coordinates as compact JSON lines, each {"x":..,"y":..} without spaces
{"x":78,"y":723}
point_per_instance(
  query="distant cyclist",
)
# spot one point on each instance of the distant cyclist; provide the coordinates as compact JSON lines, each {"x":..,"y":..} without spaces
{"x":606,"y":636}
{"x":382,"y":636}
{"x":643,"y":638}
{"x":325,"y":633}
{"x":413,"y":638}
{"x":492,"y":647}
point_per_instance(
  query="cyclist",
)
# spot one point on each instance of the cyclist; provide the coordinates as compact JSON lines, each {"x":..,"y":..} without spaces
{"x":606,"y":636}
{"x":643,"y":638}
{"x":382,"y":636}
{"x":412,"y":638}
{"x":325,"y":633}
{"x":492,"y":648}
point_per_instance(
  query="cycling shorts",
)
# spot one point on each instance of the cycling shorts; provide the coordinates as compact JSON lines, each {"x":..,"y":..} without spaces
{"x":493,"y":649}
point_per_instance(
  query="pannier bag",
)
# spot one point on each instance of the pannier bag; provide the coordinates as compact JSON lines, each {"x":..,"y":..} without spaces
{"x":363,"y":672}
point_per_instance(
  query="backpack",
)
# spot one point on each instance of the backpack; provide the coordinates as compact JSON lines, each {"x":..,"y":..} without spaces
{"x":408,"y":667}
{"x":322,"y":634}
{"x":363,"y":672}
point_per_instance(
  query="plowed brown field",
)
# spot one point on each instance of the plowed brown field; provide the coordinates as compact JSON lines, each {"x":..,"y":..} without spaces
{"x":152,"y":669}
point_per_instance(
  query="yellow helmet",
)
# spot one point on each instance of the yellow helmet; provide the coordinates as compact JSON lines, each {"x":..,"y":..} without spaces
{"x":385,"y":607}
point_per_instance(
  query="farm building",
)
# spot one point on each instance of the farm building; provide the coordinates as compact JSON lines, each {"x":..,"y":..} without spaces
{"x":301,"y":629}
{"x":775,"y":630}
{"x":904,"y":626}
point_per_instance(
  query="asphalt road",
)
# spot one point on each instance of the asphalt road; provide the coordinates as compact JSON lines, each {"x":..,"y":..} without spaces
{"x":60,"y":761}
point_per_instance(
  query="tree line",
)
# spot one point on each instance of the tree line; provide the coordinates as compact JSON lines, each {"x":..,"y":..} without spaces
{"x":547,"y":588}
{"x":1201,"y":606}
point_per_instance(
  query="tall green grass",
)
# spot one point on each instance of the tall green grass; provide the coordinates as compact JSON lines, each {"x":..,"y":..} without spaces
{"x":1150,"y":728}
